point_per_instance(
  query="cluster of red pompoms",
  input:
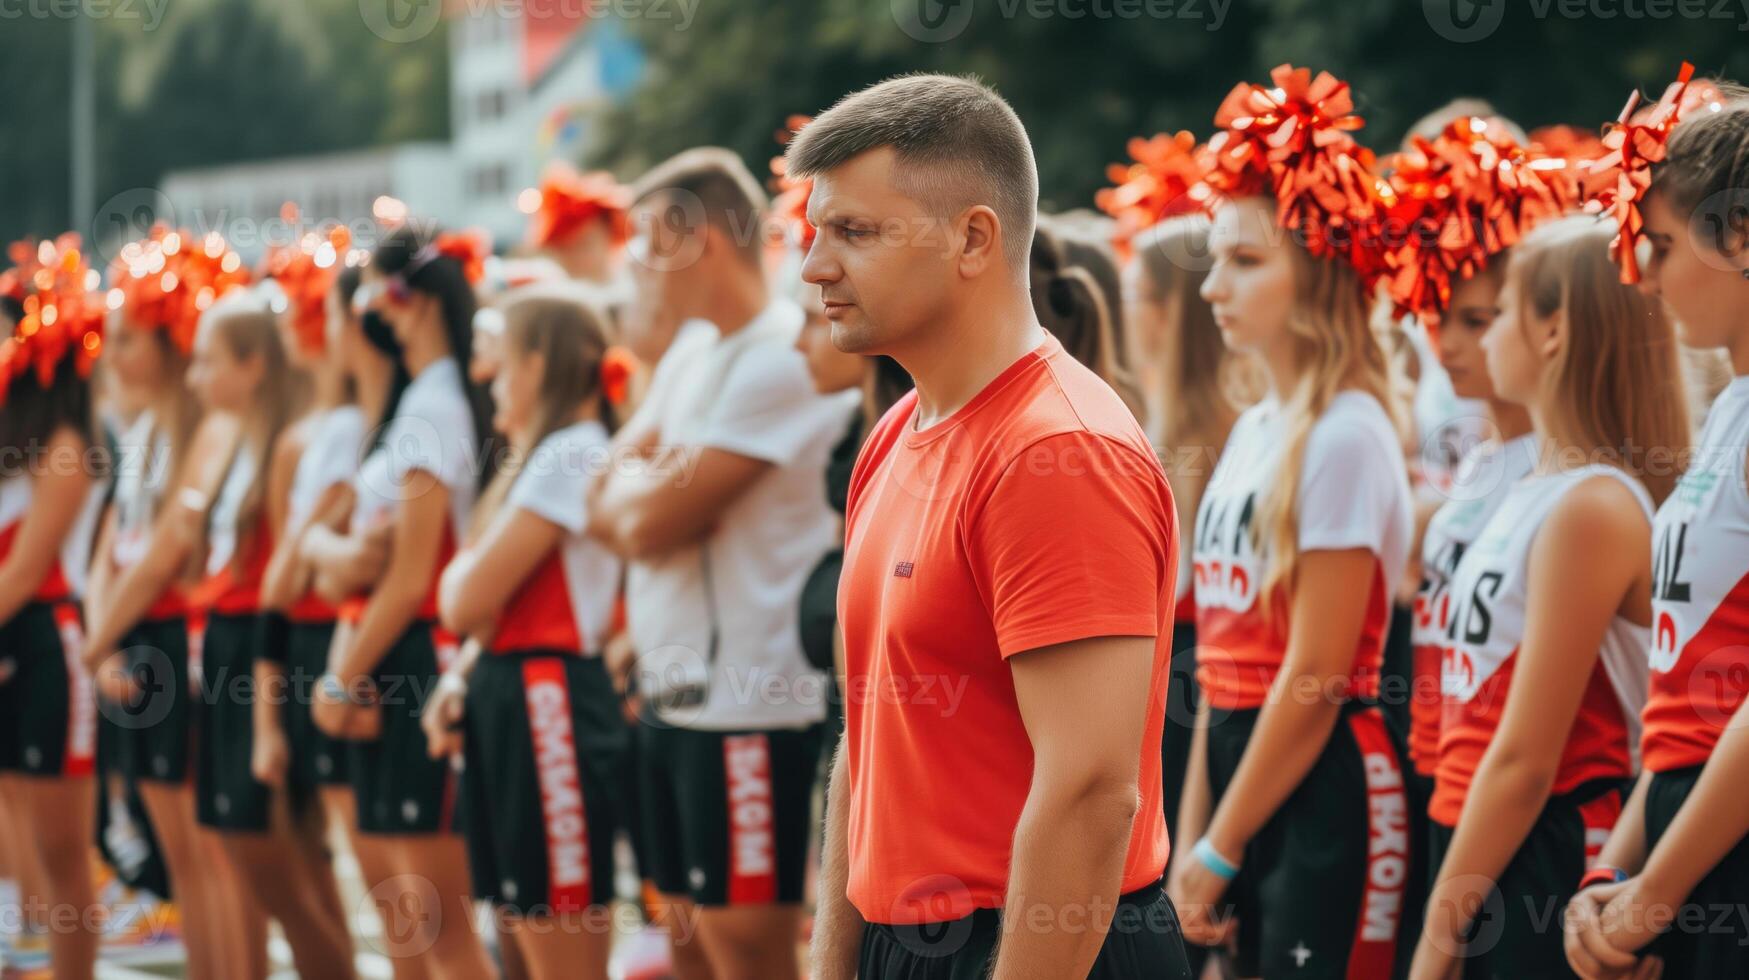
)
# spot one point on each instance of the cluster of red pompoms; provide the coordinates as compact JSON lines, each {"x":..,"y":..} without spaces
{"x":63,"y":312}
{"x":570,"y":201}
{"x":1163,"y":180}
{"x":306,"y":273}
{"x":790,"y":203}
{"x":1460,"y":199}
{"x":166,"y":280}
{"x":1616,"y":182}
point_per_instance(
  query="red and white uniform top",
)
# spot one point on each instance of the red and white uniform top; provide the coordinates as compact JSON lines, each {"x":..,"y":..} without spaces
{"x":433,"y":431}
{"x":1473,"y":494}
{"x":1700,"y":594}
{"x":1354,"y":493}
{"x":66,"y":578}
{"x":236,"y":557}
{"x":566,"y":603}
{"x":1490,"y":602}
{"x":142,"y":478}
{"x":330,"y":457}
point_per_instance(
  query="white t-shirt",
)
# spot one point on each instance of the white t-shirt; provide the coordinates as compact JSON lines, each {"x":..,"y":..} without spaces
{"x":329,"y":458}
{"x":433,"y":431}
{"x":749,"y":394}
{"x":222,"y":530}
{"x":551,"y":486}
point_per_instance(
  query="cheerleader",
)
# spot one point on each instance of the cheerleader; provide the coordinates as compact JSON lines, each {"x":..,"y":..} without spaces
{"x":1678,"y":862}
{"x":142,"y":643}
{"x":48,"y":711}
{"x":1543,"y":654}
{"x":241,"y":369}
{"x":543,"y":734}
{"x":413,"y":496}
{"x":1301,"y":535}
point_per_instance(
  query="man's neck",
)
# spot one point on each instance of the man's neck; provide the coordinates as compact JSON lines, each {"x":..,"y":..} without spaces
{"x":951,"y":366}
{"x":736,"y":302}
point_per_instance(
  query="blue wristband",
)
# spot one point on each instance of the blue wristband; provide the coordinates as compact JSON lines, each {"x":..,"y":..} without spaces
{"x":1211,"y":859}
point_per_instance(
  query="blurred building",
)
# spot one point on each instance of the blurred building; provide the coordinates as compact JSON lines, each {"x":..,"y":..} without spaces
{"x":527,"y":82}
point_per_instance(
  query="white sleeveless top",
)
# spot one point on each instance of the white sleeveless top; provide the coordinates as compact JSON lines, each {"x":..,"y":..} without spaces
{"x":330,"y":457}
{"x":1700,"y":594}
{"x":142,"y":477}
{"x":1490,"y":600}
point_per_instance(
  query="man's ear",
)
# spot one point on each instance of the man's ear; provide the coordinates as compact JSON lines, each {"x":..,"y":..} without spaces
{"x":981,"y":237}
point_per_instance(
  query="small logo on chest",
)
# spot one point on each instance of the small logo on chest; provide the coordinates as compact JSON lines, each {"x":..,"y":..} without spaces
{"x":904,"y":569}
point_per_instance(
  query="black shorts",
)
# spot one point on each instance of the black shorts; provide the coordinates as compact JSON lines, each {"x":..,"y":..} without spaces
{"x":317,"y":760}
{"x":1182,"y":695}
{"x":726,"y":814}
{"x":399,"y":788}
{"x":1710,"y":935}
{"x":157,"y":729}
{"x":544,"y":740}
{"x":1320,"y":888}
{"x":48,"y":708}
{"x":227,"y":795}
{"x":1519,"y":933}
{"x":1143,"y":943}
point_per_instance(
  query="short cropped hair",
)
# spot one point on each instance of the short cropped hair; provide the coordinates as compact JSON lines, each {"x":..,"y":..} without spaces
{"x":957,"y":142}
{"x":732,"y":200}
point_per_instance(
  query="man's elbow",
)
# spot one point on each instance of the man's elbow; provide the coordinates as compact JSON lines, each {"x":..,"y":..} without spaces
{"x":1103,"y":795}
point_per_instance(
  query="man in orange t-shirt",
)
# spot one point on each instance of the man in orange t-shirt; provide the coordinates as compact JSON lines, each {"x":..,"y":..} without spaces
{"x":1009,"y":568}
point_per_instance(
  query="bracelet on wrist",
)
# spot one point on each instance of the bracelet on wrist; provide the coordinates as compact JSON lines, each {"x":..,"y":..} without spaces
{"x":1214,"y":861}
{"x":335,"y":689}
{"x":1603,"y":874}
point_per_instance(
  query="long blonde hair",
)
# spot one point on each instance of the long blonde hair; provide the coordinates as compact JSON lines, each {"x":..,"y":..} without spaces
{"x":1336,"y":348}
{"x":253,"y":331}
{"x":571,"y":336}
{"x":1614,"y":390}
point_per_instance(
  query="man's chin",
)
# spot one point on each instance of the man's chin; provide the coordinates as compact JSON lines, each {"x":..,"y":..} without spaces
{"x":854,"y":337}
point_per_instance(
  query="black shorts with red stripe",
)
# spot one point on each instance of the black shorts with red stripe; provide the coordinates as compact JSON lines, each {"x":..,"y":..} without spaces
{"x":48,"y":709}
{"x":156,"y":727}
{"x":544,"y":743}
{"x":398,"y":787}
{"x":1321,"y":887}
{"x":727,"y":814}
{"x":1518,"y":932}
{"x":1709,"y":936}
{"x":1143,"y":942}
{"x":227,"y":795}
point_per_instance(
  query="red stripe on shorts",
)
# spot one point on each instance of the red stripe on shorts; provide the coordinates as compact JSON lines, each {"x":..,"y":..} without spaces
{"x":1387,"y":861}
{"x":80,"y":753}
{"x":559,"y":774}
{"x":752,"y":828}
{"x":1599,"y":817}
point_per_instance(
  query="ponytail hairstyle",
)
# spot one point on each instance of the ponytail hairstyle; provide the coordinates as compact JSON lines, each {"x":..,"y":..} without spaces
{"x":1614,"y":390}
{"x":1078,"y":310}
{"x":382,"y":339}
{"x":414,"y":262}
{"x":571,"y":338}
{"x":247,"y":331}
{"x":1336,"y":348}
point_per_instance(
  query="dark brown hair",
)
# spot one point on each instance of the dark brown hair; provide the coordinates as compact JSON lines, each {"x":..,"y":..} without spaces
{"x":1707,"y":167}
{"x":1078,"y":310}
{"x":958,"y":144}
{"x":731,"y":200}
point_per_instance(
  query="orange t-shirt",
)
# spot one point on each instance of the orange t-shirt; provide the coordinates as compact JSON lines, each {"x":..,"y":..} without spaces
{"x":1035,"y":515}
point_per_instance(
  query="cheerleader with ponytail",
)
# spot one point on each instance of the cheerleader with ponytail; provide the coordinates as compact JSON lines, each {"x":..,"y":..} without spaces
{"x":1681,"y":851}
{"x":48,"y":489}
{"x":414,"y":493}
{"x":1301,"y":534}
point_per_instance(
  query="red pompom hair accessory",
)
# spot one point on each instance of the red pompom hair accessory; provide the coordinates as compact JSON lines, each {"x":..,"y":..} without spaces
{"x":790,"y":200}
{"x":1457,"y":200}
{"x":168,"y":279}
{"x":617,"y":367}
{"x":469,"y":249}
{"x":1617,"y":181}
{"x":1165,"y":179}
{"x":567,"y":201}
{"x":63,"y":313}
{"x":305,"y":273}
{"x":1292,"y":141}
